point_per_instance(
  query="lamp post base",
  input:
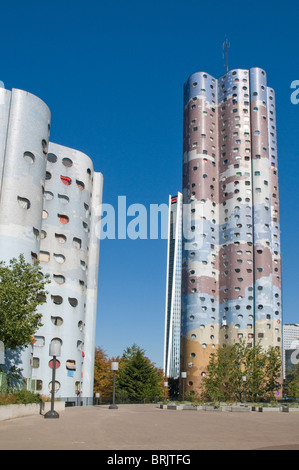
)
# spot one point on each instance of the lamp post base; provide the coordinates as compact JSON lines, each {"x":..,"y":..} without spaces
{"x":113,"y":407}
{"x":51,"y":414}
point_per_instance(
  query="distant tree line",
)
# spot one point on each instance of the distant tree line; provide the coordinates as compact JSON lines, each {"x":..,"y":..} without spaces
{"x":235,"y":373}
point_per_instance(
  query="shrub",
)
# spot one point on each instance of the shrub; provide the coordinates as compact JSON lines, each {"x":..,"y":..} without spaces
{"x":24,"y":396}
{"x":19,"y":397}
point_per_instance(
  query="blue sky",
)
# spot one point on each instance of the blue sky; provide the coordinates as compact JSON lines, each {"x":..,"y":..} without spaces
{"x":112,"y":74}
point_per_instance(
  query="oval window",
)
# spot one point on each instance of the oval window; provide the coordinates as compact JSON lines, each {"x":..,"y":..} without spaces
{"x":59,"y":258}
{"x":23,"y":202}
{"x":52,"y":158}
{"x":67,"y":162}
{"x":80,"y":185}
{"x":63,"y":218}
{"x":59,"y":278}
{"x":57,"y":364}
{"x":29,"y":157}
{"x":73,"y":301}
{"x":48,"y":195}
{"x":60,"y":238}
{"x":56,"y":386}
{"x":57,"y":299}
{"x":57,"y":321}
{"x":77,"y":242}
{"x":66,"y":180}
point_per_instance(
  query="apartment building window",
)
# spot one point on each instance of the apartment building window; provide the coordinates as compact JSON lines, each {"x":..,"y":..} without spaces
{"x":67,"y":162}
{"x":52,"y":158}
{"x":23,"y":202}
{"x":66,"y":180}
{"x":29,"y":157}
{"x":63,"y":218}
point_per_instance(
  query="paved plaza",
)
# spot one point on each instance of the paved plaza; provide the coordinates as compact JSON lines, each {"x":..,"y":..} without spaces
{"x":147,"y":427}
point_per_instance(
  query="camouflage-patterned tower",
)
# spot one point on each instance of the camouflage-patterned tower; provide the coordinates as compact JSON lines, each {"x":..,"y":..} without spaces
{"x":231,"y":275}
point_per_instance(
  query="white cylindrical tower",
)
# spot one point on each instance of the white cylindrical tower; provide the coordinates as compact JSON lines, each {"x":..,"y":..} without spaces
{"x":69,"y":252}
{"x":24,"y":130}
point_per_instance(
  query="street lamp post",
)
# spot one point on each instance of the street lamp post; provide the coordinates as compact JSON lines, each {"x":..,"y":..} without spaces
{"x":243,"y":380}
{"x":2,"y":353}
{"x":183,"y":376}
{"x":54,"y":350}
{"x":165,"y":386}
{"x":98,"y":398}
{"x":114,"y":368}
{"x":2,"y":360}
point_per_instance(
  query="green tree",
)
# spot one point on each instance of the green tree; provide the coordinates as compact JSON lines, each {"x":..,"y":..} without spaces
{"x":262,"y":368}
{"x":291,"y":386}
{"x":22,"y":290}
{"x":224,"y":375}
{"x":137,"y":376}
{"x":241,"y":372}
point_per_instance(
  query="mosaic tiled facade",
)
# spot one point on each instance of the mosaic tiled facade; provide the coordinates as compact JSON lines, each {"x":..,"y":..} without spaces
{"x":231,"y":275}
{"x":49,"y":210}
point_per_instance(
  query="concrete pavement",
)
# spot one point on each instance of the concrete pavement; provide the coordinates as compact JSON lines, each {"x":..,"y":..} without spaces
{"x":147,"y":427}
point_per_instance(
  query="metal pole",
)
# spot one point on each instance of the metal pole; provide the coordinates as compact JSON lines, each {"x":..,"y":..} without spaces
{"x":113,"y":388}
{"x":113,"y":406}
{"x":165,"y":389}
{"x":52,"y":413}
{"x":183,"y":376}
{"x":53,"y":383}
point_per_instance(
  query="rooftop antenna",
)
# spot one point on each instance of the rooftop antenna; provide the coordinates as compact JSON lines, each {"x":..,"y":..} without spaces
{"x":226,"y":45}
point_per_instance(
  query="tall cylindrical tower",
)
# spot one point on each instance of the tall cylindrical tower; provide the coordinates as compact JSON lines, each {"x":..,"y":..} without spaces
{"x":24,"y":131}
{"x":50,"y":199}
{"x":200,"y":282}
{"x":69,"y":252}
{"x":231,"y":285}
